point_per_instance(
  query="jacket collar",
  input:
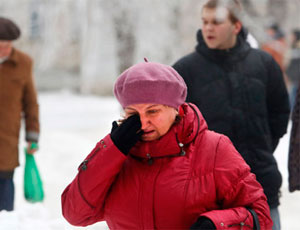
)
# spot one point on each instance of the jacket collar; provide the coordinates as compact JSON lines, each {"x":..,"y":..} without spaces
{"x":13,"y":57}
{"x":179,"y":136}
{"x":234,"y":54}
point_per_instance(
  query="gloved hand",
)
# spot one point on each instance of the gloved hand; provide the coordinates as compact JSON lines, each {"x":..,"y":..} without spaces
{"x":203,"y":223}
{"x":125,"y":135}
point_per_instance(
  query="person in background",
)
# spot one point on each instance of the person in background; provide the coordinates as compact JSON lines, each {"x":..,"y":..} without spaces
{"x":240,"y":92}
{"x":293,"y":69}
{"x":294,"y":150}
{"x":18,"y":99}
{"x":161,"y":168}
{"x":276,"y":44}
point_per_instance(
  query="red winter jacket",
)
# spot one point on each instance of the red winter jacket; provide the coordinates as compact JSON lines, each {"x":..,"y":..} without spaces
{"x":161,"y":185}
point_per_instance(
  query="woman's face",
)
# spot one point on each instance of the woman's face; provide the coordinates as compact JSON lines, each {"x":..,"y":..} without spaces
{"x":156,"y":119}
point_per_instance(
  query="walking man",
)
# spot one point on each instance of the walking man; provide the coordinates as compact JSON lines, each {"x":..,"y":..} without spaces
{"x":18,"y":100}
{"x":240,"y":92}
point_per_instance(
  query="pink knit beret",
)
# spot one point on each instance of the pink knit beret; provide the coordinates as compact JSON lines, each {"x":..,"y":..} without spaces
{"x":150,"y":82}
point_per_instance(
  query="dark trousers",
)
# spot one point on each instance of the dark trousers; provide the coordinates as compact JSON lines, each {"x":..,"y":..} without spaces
{"x":7,"y":193}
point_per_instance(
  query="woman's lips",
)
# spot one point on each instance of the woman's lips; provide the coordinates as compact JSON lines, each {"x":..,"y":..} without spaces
{"x":146,"y":133}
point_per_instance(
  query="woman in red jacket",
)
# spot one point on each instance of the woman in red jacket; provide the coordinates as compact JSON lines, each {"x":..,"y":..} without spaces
{"x":161,"y":168}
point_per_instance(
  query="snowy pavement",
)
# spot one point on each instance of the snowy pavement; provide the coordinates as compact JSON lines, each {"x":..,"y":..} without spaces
{"x":70,"y":127}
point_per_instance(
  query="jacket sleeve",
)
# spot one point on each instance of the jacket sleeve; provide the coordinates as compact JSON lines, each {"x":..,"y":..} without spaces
{"x":30,"y":105}
{"x":237,"y":191}
{"x":277,"y":101}
{"x":83,"y":200}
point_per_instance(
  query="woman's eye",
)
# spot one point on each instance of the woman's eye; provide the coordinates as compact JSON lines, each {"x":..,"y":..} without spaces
{"x":152,"y":111}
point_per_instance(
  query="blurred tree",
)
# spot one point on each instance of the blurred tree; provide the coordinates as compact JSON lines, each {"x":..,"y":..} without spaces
{"x":170,"y":16}
{"x":249,"y":7}
{"x":98,"y":39}
{"x":277,"y":11}
{"x":123,"y":14}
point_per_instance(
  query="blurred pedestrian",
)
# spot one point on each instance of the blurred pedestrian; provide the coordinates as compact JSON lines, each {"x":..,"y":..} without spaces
{"x":18,"y":100}
{"x":240,"y":92}
{"x":276,"y":44}
{"x":293,"y":69}
{"x":294,"y":151}
{"x":161,"y":168}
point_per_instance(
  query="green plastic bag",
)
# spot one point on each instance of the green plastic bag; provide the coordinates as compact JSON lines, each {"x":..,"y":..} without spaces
{"x":33,"y":186}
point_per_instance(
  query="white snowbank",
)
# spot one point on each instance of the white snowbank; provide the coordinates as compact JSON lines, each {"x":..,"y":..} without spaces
{"x":70,"y":127}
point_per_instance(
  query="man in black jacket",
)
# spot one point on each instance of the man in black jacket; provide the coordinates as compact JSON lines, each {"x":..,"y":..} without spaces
{"x":240,"y":92}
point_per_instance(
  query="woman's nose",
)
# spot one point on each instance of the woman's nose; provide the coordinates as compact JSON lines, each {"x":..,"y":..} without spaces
{"x":144,"y":122}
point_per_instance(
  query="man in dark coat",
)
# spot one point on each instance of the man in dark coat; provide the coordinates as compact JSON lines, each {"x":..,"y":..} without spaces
{"x":18,"y":99}
{"x":294,"y":151}
{"x":293,"y":69}
{"x":240,"y":92}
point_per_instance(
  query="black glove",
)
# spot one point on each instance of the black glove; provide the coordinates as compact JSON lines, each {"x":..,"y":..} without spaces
{"x":126,"y":134}
{"x":203,"y":223}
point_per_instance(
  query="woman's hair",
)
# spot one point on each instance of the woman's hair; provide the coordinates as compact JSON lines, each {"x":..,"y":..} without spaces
{"x":234,"y":7}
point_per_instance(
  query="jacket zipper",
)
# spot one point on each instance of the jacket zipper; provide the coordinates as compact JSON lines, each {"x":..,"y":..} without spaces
{"x":83,"y":167}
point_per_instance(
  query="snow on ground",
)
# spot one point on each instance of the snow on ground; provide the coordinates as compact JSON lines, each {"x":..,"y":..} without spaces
{"x":70,"y":127}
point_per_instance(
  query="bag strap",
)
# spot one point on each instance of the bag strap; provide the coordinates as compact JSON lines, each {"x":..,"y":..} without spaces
{"x":256,"y":224}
